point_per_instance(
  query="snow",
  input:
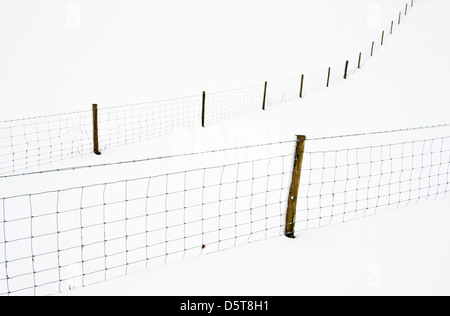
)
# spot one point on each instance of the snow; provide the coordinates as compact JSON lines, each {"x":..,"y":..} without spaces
{"x":366,"y":257}
{"x":120,"y":53}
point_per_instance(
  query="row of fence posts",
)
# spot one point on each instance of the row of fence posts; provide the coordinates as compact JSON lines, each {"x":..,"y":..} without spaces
{"x":347,"y":63}
{"x":95,"y":107}
{"x":300,"y":148}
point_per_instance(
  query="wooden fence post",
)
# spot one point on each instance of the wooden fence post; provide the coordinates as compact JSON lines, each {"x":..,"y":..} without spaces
{"x":382,"y":39}
{"x":293,"y":192}
{"x":371,"y":52}
{"x":406,"y":10}
{"x":265,"y":94}
{"x":95,"y":125}
{"x":392,"y":27}
{"x":399,"y":17}
{"x":412,"y":3}
{"x":301,"y":86}
{"x":203,"y":108}
{"x":346,"y":70}
{"x":328,"y":79}
{"x":359,"y":61}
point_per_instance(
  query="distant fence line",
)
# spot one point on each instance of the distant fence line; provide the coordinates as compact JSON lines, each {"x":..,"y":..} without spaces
{"x":62,"y":239}
{"x":27,"y":144}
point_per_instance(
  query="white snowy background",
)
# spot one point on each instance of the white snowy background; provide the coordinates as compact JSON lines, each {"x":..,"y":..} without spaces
{"x":59,"y":56}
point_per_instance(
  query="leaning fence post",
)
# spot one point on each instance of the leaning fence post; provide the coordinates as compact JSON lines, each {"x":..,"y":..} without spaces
{"x":293,"y":192}
{"x":392,"y":27}
{"x":203,"y":108}
{"x":265,"y":94}
{"x":412,"y":3}
{"x":95,"y":125}
{"x":382,"y":39}
{"x":399,"y":17}
{"x":406,"y":10}
{"x":371,"y":52}
{"x":359,"y":61}
{"x":301,"y":86}
{"x":346,"y":70}
{"x":328,"y":79}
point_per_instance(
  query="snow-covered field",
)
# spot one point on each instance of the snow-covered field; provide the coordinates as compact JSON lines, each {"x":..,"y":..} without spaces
{"x":400,"y":253}
{"x":60,"y":56}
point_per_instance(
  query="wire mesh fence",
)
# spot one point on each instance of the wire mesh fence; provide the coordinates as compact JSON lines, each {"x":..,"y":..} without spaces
{"x":319,"y":80}
{"x":347,"y":184}
{"x":58,"y":240}
{"x":283,"y":91}
{"x":68,"y":238}
{"x":221,"y":106}
{"x":30,"y":144}
{"x":124,"y":125}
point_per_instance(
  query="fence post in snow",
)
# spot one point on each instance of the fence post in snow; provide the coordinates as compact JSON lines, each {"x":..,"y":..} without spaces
{"x":382,"y":39}
{"x":399,"y":17}
{"x":95,"y":129}
{"x":265,"y":94}
{"x":346,"y":70}
{"x":392,"y":27}
{"x":301,"y":86}
{"x":328,"y":79}
{"x":412,"y":3}
{"x":359,"y":61}
{"x":293,"y":192}
{"x":371,"y":52}
{"x":203,"y":108}
{"x":406,"y":10}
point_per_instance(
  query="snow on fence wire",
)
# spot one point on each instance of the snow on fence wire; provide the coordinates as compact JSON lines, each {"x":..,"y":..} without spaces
{"x":58,"y":240}
{"x":28,"y":144}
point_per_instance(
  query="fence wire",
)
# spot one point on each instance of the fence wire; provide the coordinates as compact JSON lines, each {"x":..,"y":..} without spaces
{"x":26,"y":145}
{"x":344,"y":185}
{"x":282,"y":91}
{"x":124,"y":125}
